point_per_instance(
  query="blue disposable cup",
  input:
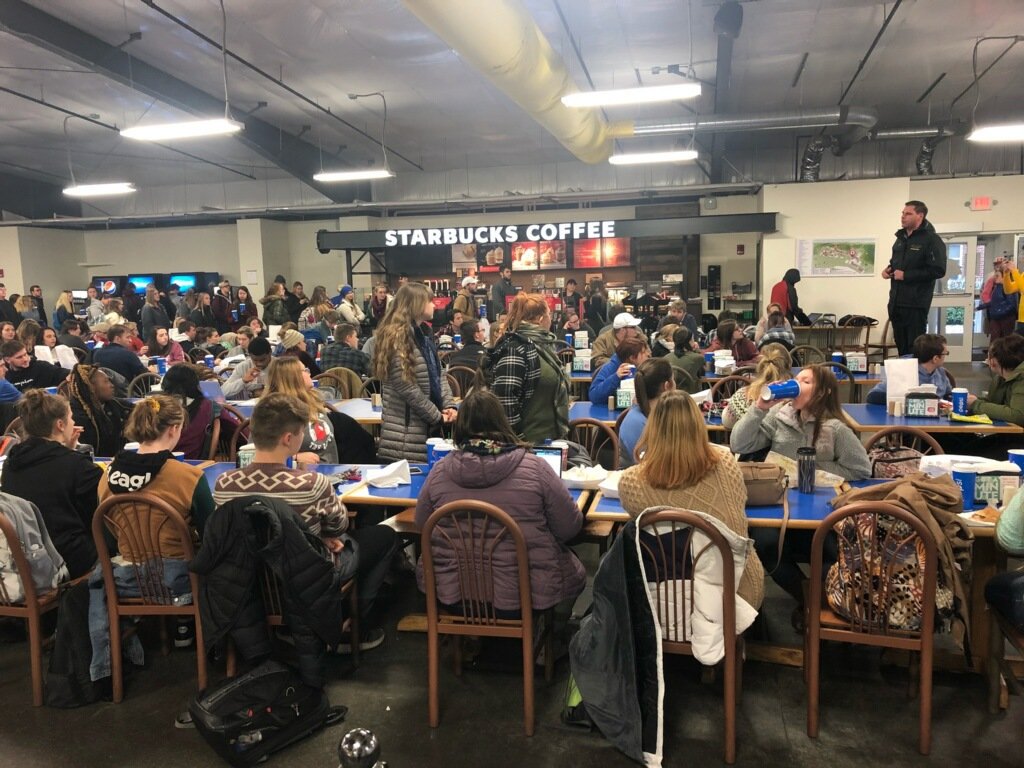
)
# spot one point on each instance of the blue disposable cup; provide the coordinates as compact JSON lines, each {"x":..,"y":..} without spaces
{"x":781,"y":390}
{"x":457,"y":338}
{"x":1016,"y":455}
{"x":959,"y":398}
{"x":90,"y":344}
{"x":632,"y":371}
{"x":208,"y":359}
{"x":837,"y":357}
{"x":440,"y":451}
{"x":709,"y":361}
{"x":161,"y":365}
{"x":431,"y":443}
{"x":965,"y":479}
{"x":241,"y":307}
{"x":316,"y":384}
{"x":51,"y":390}
{"x":234,"y":315}
{"x":568,"y":339}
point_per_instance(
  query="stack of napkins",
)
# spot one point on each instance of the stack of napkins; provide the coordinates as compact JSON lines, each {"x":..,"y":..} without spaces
{"x":584,"y":477}
{"x":391,"y":476}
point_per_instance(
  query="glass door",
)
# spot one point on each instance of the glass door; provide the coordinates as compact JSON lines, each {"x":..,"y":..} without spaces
{"x":952,"y":312}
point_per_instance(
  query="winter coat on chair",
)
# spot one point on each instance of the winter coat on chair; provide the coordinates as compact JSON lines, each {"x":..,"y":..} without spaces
{"x":240,"y":539}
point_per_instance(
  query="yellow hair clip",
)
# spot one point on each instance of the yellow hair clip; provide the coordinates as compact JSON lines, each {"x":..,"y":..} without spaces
{"x":154,"y":404}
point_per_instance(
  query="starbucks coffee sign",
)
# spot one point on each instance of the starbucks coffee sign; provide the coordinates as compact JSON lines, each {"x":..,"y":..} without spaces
{"x":511,"y":233}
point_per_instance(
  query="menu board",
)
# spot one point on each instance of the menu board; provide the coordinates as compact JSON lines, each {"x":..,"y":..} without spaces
{"x":464,"y":257}
{"x":491,"y":258}
{"x":601,"y":252}
{"x":545,"y":254}
{"x":615,"y":252}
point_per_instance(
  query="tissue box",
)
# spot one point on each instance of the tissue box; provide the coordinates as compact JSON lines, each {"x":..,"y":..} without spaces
{"x":857,"y":362}
{"x":581,"y":360}
{"x":581,"y":340}
{"x":624,"y":398}
{"x":921,"y":404}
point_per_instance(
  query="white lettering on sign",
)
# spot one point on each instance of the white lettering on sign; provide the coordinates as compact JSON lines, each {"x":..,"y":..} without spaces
{"x":498,"y":234}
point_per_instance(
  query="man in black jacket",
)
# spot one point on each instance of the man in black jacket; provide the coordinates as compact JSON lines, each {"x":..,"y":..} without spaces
{"x":7,"y":311}
{"x":25,"y":372}
{"x":918,"y":260}
{"x":501,"y":290}
{"x":36,"y":293}
{"x":473,"y":346}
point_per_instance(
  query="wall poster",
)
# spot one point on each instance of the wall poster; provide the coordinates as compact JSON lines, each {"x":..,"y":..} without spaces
{"x":850,"y":257}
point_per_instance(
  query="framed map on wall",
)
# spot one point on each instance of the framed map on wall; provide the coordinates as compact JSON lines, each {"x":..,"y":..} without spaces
{"x":849,"y":257}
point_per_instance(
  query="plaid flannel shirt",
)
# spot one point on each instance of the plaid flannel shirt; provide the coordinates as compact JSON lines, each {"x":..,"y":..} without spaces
{"x":514,"y":372}
{"x":338,"y":355}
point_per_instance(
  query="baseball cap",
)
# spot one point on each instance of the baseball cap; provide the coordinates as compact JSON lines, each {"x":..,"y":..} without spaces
{"x":625,"y":320}
{"x":468,"y":280}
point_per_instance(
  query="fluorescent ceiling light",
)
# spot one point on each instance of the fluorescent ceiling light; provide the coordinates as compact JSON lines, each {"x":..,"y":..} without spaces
{"x":649,"y":95}
{"x":372,"y":173}
{"x":189,"y":129}
{"x":100,"y":190}
{"x":996,"y":133}
{"x":644,"y":158}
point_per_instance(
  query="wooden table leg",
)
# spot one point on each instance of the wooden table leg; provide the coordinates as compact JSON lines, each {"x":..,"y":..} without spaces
{"x":988,"y":560}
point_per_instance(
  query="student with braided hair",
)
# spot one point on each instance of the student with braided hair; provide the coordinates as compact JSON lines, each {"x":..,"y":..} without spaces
{"x":96,"y":409}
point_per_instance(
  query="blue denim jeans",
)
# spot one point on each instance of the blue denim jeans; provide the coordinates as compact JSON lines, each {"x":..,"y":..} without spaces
{"x":175,"y":578}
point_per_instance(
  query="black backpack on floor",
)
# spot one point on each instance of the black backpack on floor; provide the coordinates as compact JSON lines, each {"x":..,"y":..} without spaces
{"x":248,"y":717}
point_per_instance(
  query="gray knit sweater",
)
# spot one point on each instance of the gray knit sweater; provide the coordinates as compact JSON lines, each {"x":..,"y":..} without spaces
{"x":839,"y":451}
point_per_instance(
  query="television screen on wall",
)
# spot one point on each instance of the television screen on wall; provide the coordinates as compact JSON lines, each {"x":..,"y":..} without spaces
{"x":141,"y":281}
{"x":183,"y":281}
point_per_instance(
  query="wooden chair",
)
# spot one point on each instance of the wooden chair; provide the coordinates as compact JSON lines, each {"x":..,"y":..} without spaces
{"x":371,"y":387}
{"x":804,"y":354}
{"x":669,"y":545}
{"x":226,"y":372}
{"x":620,"y":419}
{"x":14,"y":429}
{"x":683,"y":380}
{"x":566,"y":354}
{"x":141,"y":385}
{"x":726,"y":387}
{"x":453,"y":385}
{"x":475,"y":532}
{"x":870,"y":625}
{"x":855,"y":334}
{"x":597,"y":437}
{"x":444,"y":356}
{"x":464,"y":376}
{"x":822,"y":333}
{"x":197,"y":355}
{"x":745,"y":370}
{"x":142,"y":519}
{"x":1002,"y":631}
{"x":230,"y":440}
{"x":885,"y":346}
{"x":950,"y":376}
{"x":345,"y":382}
{"x":844,"y":377}
{"x":905,"y":437}
{"x":31,"y":609}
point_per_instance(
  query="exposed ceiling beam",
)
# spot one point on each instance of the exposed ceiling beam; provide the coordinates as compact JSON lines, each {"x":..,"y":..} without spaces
{"x":289,"y":153}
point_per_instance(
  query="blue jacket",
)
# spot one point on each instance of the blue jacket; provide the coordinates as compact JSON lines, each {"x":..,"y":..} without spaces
{"x":605,"y":382}
{"x":120,"y":359}
{"x":8,"y":392}
{"x":938,"y":377}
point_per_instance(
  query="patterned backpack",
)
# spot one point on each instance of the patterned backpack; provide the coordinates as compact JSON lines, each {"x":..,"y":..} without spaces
{"x":891,"y":461}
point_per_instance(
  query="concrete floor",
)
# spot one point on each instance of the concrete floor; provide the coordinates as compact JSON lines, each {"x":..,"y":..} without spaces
{"x":867,"y":718}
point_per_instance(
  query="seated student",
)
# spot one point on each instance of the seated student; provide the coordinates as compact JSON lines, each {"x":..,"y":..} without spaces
{"x":450,"y":328}
{"x":931,"y":350}
{"x":653,"y":379}
{"x":294,"y":345}
{"x":246,"y":381}
{"x":573,"y":323}
{"x":472,"y":346}
{"x":117,"y":356}
{"x":186,"y":332}
{"x":25,"y":372}
{"x":208,"y":340}
{"x":160,"y":344}
{"x":8,"y":332}
{"x":71,"y":335}
{"x":629,"y":352}
{"x":8,"y":392}
{"x":1005,"y":398}
{"x":490,"y":464}
{"x":762,"y":324}
{"x":238,"y":349}
{"x":279,"y":427}
{"x":686,"y":355}
{"x":135,"y":344}
{"x":680,"y":468}
{"x":729,"y":335}
{"x":182,"y":381}
{"x":663,"y":340}
{"x":1005,"y":591}
{"x":677,"y":314}
{"x":97,"y":410}
{"x":30,"y":333}
{"x":344,"y":352}
{"x":777,"y":331}
{"x":775,"y":364}
{"x":813,"y":418}
{"x":46,"y":470}
{"x":156,"y":424}
{"x":287,"y":376}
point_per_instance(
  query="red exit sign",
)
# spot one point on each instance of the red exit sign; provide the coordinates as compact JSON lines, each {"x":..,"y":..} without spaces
{"x":981,"y":203}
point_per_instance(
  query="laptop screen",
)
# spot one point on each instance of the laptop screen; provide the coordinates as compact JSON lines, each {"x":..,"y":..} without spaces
{"x":211,"y":390}
{"x":555,"y":457}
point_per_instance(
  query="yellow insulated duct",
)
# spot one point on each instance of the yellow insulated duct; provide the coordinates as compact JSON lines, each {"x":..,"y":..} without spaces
{"x":503,"y":42}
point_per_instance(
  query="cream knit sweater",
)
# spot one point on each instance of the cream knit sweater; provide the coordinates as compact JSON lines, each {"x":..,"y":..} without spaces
{"x":720,"y":493}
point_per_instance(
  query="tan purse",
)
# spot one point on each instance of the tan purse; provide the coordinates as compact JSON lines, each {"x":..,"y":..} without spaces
{"x":767,"y":486}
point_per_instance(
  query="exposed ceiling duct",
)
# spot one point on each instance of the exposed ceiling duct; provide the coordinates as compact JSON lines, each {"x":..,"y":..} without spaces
{"x":504,"y":43}
{"x":828,"y":117}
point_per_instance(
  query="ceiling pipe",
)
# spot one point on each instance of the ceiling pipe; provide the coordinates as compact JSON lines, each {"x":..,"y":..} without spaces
{"x":504,"y":43}
{"x":828,"y":117}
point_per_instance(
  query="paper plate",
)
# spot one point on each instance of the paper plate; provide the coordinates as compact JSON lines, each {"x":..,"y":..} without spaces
{"x":587,"y":478}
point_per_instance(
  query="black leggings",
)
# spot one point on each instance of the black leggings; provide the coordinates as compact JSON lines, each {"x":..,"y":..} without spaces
{"x":377,"y":545}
